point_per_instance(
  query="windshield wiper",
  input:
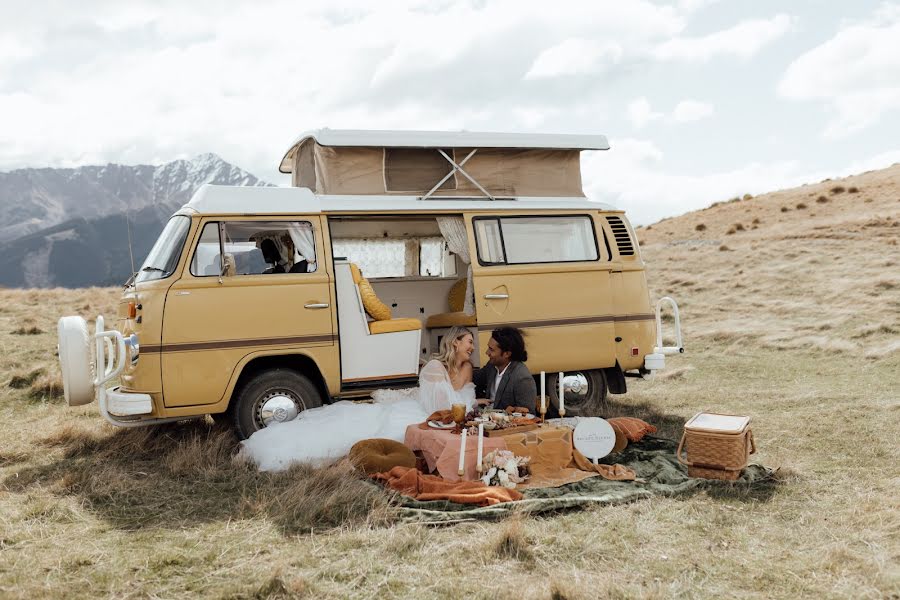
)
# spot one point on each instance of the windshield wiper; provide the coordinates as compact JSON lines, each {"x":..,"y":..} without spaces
{"x":153,"y":269}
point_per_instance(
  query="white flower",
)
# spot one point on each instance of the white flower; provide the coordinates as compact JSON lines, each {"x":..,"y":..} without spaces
{"x":503,"y":476}
{"x":510,"y":485}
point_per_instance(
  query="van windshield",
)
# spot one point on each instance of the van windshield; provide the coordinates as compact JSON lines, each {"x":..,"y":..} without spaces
{"x":166,"y":251}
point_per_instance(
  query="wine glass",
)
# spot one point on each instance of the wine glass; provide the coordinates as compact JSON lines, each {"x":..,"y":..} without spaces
{"x":458,"y":414}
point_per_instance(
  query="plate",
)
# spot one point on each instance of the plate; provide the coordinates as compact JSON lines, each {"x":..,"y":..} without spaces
{"x":518,"y":415}
{"x":481,"y":419}
{"x":439,"y":425}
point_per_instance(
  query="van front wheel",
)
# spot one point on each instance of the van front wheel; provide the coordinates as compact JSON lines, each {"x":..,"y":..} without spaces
{"x":585,"y":392}
{"x":273,"y":396}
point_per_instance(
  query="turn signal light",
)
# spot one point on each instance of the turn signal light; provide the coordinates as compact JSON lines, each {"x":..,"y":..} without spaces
{"x":132,"y":310}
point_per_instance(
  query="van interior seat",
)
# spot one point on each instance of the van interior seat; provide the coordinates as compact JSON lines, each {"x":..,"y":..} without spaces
{"x":378,"y":310}
{"x":372,"y":350}
{"x":456,"y":301}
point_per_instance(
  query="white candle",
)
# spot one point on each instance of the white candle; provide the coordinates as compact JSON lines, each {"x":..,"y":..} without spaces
{"x":480,"y":447}
{"x":543,"y":392}
{"x":562,"y":396}
{"x":462,"y":453}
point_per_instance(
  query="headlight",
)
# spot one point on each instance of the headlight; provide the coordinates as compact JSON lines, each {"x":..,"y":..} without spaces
{"x":133,"y":347}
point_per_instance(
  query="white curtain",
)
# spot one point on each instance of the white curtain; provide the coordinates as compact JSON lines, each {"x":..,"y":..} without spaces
{"x":304,"y":244}
{"x":454,"y":231}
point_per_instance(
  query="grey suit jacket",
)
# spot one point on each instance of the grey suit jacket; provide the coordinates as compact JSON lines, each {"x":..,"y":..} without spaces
{"x":516,"y":386}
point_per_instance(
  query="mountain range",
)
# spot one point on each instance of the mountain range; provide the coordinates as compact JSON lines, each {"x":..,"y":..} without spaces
{"x":70,"y":227}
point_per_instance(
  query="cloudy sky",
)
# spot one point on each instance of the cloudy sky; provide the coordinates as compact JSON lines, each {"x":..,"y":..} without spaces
{"x":701,"y":99}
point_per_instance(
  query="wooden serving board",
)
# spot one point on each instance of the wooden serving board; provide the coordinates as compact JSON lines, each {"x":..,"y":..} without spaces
{"x":510,"y":430}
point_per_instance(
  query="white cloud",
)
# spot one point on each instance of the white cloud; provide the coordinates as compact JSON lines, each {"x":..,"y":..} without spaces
{"x":692,"y":110}
{"x":856,"y":74}
{"x":640,"y":113}
{"x":163,"y":78}
{"x":575,"y":57}
{"x":743,"y":40}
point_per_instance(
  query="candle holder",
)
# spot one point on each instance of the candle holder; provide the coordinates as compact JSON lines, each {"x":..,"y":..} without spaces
{"x":542,"y":408}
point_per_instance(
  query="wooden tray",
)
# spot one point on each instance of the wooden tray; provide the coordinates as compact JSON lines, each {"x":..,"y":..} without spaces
{"x":510,"y":430}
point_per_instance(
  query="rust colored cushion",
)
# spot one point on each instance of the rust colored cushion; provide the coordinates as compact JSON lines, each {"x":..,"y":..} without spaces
{"x":378,"y":455}
{"x":632,"y":428}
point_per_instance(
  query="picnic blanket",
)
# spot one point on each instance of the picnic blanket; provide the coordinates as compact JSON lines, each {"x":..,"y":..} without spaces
{"x":653,"y":461}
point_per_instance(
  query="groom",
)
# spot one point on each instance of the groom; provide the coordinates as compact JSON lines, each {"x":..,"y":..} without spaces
{"x":505,"y":380}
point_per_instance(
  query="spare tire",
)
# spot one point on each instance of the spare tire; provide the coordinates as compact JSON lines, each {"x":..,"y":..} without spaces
{"x":75,"y":361}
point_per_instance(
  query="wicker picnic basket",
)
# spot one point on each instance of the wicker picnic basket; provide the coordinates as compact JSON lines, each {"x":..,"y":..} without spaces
{"x":717,"y":446}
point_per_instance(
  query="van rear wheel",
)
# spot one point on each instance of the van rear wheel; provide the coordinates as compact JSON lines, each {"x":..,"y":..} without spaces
{"x":585,"y":392}
{"x":273,"y":396}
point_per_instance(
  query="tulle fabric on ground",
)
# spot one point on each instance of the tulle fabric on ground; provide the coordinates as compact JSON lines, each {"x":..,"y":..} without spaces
{"x":321,"y":435}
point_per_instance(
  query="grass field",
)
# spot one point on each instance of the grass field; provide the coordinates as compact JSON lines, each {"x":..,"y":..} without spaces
{"x":793,"y":318}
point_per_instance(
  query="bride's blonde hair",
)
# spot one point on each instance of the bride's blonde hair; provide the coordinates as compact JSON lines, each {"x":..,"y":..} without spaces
{"x":446,"y":351}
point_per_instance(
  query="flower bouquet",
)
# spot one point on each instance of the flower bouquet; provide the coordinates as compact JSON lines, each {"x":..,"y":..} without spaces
{"x":503,"y":468}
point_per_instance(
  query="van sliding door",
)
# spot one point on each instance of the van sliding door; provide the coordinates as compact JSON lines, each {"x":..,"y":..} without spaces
{"x":546,"y":274}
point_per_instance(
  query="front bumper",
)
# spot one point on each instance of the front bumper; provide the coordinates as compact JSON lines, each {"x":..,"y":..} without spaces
{"x":127,"y":404}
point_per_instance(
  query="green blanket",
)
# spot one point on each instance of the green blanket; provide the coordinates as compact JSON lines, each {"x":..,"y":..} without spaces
{"x":653,"y":460}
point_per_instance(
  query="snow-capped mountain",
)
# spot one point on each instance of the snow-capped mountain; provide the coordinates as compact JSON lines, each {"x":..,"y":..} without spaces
{"x":35,"y":199}
{"x":67,"y":227}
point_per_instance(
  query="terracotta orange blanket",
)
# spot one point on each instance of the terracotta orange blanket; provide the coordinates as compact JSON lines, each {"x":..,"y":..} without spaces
{"x":414,"y":484}
{"x":555,"y":462}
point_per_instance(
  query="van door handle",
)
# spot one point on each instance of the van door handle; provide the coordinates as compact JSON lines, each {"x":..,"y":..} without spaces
{"x":316,"y":305}
{"x":496,"y":296}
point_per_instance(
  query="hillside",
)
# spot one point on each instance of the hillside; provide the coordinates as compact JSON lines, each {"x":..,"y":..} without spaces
{"x":814,"y":268}
{"x":67,"y":227}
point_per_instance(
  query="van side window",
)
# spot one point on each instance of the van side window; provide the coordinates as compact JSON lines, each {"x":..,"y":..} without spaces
{"x":528,"y":240}
{"x":256,"y":248}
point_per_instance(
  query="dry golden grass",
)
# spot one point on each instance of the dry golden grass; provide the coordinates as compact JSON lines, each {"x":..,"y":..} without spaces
{"x":795,"y":324}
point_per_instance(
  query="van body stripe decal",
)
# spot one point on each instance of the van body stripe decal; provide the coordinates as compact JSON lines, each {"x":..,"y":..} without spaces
{"x":574,"y":321}
{"x":226,"y":344}
{"x":330,"y":338}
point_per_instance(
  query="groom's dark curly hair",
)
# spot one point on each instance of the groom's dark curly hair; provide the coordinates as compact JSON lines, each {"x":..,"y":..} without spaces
{"x":511,"y":340}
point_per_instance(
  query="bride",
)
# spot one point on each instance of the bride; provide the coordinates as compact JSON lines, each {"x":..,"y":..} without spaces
{"x":322,"y":434}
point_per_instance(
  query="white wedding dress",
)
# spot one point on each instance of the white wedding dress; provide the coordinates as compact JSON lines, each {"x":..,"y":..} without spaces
{"x":320,"y":435}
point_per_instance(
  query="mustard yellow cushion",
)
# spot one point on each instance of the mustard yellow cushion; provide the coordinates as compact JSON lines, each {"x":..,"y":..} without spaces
{"x":377,"y":309}
{"x":355,"y":273}
{"x":379,"y":455}
{"x":450,"y":319}
{"x":457,"y":296}
{"x":395,"y":325}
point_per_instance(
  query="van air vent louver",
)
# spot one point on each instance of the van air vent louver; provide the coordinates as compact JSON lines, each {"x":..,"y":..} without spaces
{"x":623,"y":240}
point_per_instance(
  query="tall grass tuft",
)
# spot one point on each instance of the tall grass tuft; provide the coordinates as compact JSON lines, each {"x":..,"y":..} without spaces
{"x":512,"y":543}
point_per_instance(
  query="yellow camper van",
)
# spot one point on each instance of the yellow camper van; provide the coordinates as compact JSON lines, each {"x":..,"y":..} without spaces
{"x":257,"y":303}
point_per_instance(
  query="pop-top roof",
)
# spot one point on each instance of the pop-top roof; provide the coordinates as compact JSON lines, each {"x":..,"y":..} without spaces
{"x":387,"y":138}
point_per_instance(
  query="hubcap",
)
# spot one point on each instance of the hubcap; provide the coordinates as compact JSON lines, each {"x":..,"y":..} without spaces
{"x":576,"y":388}
{"x":278,"y":407}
